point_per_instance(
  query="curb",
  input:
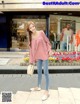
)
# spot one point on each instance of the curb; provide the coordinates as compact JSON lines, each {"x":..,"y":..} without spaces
{"x":54,"y":71}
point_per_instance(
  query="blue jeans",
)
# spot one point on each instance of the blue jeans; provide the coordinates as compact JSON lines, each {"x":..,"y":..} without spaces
{"x":63,"y":46}
{"x":46,"y":72}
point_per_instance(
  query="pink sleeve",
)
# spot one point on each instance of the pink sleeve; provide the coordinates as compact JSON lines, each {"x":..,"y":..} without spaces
{"x":31,"y":59}
{"x":30,"y":53}
{"x":47,"y":41}
{"x":30,"y":56}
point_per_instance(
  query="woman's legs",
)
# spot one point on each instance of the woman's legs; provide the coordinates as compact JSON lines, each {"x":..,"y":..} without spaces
{"x":39,"y":67}
{"x":46,"y":73}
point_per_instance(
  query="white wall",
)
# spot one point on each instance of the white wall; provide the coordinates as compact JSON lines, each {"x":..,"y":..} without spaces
{"x":35,"y":6}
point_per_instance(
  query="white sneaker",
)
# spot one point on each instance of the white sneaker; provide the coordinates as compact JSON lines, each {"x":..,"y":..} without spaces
{"x":35,"y":89}
{"x":45,"y":97}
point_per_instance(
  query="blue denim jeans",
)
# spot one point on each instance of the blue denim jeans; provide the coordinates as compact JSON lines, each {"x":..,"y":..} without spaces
{"x":63,"y":46}
{"x":46,"y":72}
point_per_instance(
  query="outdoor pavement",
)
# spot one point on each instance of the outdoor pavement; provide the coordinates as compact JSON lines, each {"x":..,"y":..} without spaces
{"x":64,"y":87}
{"x":11,"y":58}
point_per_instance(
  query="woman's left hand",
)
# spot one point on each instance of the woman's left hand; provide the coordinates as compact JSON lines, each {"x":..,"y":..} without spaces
{"x":50,"y":53}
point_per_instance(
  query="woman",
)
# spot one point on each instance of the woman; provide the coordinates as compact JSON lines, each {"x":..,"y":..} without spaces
{"x":40,"y":50}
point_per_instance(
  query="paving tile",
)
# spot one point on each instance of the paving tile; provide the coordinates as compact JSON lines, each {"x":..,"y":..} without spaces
{"x":65,"y":96}
{"x":76,"y":94}
{"x":21,"y":97}
{"x":35,"y":97}
{"x":59,"y":96}
{"x":53,"y":98}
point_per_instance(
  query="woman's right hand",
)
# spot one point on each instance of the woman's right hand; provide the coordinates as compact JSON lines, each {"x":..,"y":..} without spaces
{"x":50,"y":53}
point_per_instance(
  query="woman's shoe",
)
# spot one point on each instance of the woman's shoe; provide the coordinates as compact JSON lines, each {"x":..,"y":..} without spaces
{"x":35,"y":89}
{"x":45,"y":97}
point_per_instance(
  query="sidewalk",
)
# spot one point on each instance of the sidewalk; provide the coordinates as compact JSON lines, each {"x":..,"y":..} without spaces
{"x":64,"y":88}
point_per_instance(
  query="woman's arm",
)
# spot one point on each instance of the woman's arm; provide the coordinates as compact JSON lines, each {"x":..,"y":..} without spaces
{"x":47,"y":42}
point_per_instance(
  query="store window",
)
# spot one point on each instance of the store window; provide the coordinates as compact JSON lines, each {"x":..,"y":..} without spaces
{"x":19,"y":32}
{"x":63,"y":31}
{"x":54,"y":36}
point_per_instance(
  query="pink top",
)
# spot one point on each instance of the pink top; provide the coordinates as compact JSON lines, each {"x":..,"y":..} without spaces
{"x":40,"y":48}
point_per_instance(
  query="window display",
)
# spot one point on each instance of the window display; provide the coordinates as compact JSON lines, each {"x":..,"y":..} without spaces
{"x":19,"y":32}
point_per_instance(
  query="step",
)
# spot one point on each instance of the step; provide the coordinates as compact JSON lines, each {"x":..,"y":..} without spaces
{"x":16,"y":69}
{"x":59,"y":96}
{"x":65,"y":96}
{"x":76,"y":94}
{"x":21,"y":97}
{"x":12,"y":54}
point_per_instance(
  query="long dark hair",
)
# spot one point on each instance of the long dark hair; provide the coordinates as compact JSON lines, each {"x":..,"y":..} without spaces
{"x":30,"y":33}
{"x":30,"y":37}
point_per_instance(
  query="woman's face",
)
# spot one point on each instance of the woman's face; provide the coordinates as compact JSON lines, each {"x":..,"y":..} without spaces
{"x":32,"y":28}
